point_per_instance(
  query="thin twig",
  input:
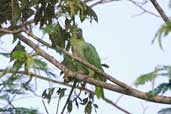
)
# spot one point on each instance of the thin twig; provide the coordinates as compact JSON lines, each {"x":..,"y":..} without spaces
{"x":6,"y":30}
{"x":118,"y":99}
{"x":132,"y":1}
{"x":144,"y":108}
{"x":69,"y":96}
{"x":57,"y":106}
{"x":143,"y":9}
{"x":45,"y":107}
{"x":36,"y":76}
{"x":118,"y":107}
{"x":102,"y":2}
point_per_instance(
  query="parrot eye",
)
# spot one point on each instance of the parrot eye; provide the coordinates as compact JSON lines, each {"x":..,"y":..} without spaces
{"x":79,"y":33}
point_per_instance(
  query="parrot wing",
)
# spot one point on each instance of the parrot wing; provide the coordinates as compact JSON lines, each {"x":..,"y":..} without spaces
{"x":92,"y":57}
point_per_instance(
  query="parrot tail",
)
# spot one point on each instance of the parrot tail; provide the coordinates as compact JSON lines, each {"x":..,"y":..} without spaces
{"x":99,"y":92}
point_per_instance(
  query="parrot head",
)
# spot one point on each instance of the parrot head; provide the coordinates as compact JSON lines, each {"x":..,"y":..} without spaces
{"x":77,"y":35}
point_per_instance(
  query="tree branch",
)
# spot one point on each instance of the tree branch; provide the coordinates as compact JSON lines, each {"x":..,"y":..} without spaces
{"x":92,"y":67}
{"x":132,"y":1}
{"x":161,"y":12}
{"x":88,"y":79}
{"x":69,"y":85}
{"x":115,"y":105}
{"x":101,"y":2}
{"x":143,"y":9}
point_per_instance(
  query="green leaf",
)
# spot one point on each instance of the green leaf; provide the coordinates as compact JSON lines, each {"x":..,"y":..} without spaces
{"x":11,"y":81}
{"x":69,"y":107}
{"x":165,"y":111}
{"x":73,"y":9}
{"x":39,"y":64}
{"x":4,"y":96}
{"x":18,"y":52}
{"x":57,"y":35}
{"x":50,"y":73}
{"x":92,"y":14}
{"x":145,"y":78}
{"x":28,"y":63}
{"x":18,"y":110}
{"x":18,"y":55}
{"x":49,"y":29}
{"x":86,"y":11}
{"x":163,"y":31}
{"x":95,"y":107}
{"x":5,"y":54}
{"x":47,"y":93}
{"x":61,"y":92}
{"x":162,"y":88}
{"x":88,"y":108}
{"x":84,"y":101}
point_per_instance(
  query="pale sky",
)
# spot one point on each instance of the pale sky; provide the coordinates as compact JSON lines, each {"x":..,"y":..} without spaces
{"x":123,"y":41}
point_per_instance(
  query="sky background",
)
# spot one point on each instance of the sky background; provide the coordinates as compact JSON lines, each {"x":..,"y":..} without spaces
{"x":123,"y":41}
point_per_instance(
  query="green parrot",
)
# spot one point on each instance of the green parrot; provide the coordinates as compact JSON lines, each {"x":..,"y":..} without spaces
{"x":88,"y":53}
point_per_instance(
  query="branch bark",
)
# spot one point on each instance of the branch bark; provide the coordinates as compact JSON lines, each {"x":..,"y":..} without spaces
{"x":88,"y":79}
{"x":107,"y":76}
{"x":161,"y":12}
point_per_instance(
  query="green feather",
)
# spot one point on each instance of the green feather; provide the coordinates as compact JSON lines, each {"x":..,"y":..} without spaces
{"x":88,"y":53}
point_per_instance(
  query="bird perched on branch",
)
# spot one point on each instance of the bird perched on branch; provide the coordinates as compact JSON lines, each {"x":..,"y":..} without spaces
{"x":87,"y":53}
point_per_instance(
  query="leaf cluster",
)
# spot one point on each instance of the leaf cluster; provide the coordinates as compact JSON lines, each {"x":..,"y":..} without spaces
{"x":163,"y":87}
{"x":46,"y":14}
{"x":163,"y":31}
{"x":18,"y":110}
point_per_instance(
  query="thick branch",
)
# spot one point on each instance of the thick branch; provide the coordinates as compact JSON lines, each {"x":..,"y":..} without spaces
{"x":56,"y":63}
{"x":88,"y":79}
{"x":107,"y":76}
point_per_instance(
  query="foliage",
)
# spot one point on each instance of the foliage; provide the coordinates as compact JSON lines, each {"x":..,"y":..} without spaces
{"x":165,"y":111}
{"x":46,"y":14}
{"x":18,"y":110}
{"x":163,"y":31}
{"x":163,"y":87}
{"x":58,"y":35}
{"x":57,"y":19}
{"x":145,"y":78}
{"x":162,"y":71}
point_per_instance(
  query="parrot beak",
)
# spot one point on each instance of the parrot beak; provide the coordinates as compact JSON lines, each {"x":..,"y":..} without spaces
{"x":79,"y":33}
